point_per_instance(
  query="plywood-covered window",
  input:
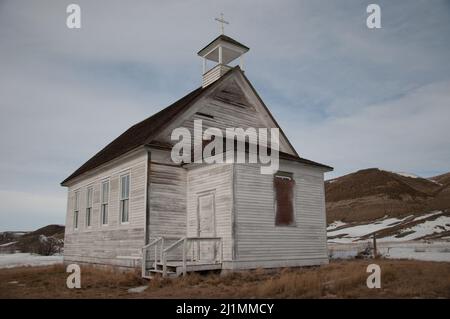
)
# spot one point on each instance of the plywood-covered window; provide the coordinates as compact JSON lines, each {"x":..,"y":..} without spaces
{"x":105,"y":202}
{"x":89,"y":203}
{"x":124,"y":198}
{"x":76,"y":209}
{"x":284,"y":185}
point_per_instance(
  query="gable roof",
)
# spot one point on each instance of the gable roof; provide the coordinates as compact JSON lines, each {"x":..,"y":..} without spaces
{"x":142,"y":133}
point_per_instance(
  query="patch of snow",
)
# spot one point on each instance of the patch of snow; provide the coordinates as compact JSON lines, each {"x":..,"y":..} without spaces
{"x":407,"y":174}
{"x":404,"y":174}
{"x":433,"y":181}
{"x":137,"y":289}
{"x":352,"y":233}
{"x":8,"y":244}
{"x":427,"y":215}
{"x":428,"y":227}
{"x":26,"y":259}
{"x":419,"y":251}
{"x":335,"y":225}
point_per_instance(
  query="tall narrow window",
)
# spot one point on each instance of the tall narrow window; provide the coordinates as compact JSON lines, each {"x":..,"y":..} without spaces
{"x":76,"y":209}
{"x":105,"y":200}
{"x":284,"y":198}
{"x":124,"y":198}
{"x":89,"y":206}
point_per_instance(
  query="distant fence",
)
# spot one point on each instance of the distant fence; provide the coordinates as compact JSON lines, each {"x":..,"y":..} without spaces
{"x":420,"y":250}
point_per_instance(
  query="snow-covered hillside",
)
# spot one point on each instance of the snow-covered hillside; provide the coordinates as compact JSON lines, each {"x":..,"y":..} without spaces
{"x":424,"y":237}
{"x":408,"y":228}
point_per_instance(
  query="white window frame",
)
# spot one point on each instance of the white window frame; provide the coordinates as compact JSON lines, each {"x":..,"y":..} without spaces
{"x":104,"y":203}
{"x":124,"y":199}
{"x":89,"y":205}
{"x":76,"y":210}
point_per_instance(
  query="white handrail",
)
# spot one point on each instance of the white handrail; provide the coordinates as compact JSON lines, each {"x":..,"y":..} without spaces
{"x":144,"y":255}
{"x":187,"y":243}
{"x":180,"y":240}
{"x":152,"y":243}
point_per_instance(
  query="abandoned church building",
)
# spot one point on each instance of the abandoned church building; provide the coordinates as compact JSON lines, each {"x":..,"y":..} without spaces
{"x":131,"y":205}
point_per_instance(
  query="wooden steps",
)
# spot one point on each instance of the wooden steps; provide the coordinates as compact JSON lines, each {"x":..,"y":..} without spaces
{"x":175,"y":268}
{"x":191,"y":260}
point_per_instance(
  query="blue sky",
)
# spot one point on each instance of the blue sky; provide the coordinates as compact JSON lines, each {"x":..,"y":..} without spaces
{"x":345,"y":95}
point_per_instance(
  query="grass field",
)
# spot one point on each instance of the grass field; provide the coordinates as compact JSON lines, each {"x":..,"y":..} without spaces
{"x":339,"y":279}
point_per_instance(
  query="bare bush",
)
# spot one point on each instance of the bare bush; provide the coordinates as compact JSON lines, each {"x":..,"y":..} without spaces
{"x":48,"y":246}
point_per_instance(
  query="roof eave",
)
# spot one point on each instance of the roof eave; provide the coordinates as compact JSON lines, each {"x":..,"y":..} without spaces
{"x":233,"y":42}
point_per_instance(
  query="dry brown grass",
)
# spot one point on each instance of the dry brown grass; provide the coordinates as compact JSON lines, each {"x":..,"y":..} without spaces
{"x":343,"y":279}
{"x":50,"y":282}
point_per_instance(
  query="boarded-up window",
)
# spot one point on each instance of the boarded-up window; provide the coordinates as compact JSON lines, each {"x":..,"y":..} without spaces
{"x":284,"y":184}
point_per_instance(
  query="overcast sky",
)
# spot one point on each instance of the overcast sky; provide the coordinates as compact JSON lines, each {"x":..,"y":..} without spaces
{"x":345,"y":95}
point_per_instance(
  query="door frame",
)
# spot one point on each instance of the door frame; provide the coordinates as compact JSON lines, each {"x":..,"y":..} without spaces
{"x":206,"y":193}
{"x":201,"y":194}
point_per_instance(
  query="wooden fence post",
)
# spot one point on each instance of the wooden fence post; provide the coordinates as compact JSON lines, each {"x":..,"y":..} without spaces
{"x":375,"y":253}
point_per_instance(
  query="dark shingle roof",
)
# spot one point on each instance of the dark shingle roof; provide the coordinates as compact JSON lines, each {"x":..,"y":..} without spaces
{"x":299,"y":159}
{"x":137,"y":135}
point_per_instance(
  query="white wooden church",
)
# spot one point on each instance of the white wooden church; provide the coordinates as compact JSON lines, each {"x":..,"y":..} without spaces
{"x":130,"y":205}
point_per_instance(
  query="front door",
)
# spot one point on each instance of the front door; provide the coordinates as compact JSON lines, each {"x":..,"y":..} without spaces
{"x":206,"y":225}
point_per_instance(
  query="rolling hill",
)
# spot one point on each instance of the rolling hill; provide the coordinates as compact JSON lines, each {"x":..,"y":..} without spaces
{"x":370,"y":194}
{"x":45,"y":240}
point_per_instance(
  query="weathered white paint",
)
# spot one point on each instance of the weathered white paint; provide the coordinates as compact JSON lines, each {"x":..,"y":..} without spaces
{"x":216,"y":179}
{"x":214,"y":74}
{"x":101,"y":244}
{"x":243,"y":212}
{"x":167,"y":200}
{"x":232,"y":104}
{"x":258,"y":241}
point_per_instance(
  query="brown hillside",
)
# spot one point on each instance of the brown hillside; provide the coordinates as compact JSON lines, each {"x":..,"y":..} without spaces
{"x":373,"y":182}
{"x":30,"y":241}
{"x":373,"y":193}
{"x":443,"y":179}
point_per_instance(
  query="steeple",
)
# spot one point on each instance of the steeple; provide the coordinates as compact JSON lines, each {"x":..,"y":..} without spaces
{"x":222,"y":50}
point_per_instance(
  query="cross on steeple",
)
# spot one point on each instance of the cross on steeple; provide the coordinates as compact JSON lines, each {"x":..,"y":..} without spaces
{"x":222,"y":22}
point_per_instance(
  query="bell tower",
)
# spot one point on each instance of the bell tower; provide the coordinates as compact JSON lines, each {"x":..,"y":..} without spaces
{"x":221,"y":51}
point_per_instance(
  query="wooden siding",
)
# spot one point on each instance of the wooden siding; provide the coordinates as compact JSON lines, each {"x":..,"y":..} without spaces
{"x":215,"y":178}
{"x":231,"y":105}
{"x":214,"y":74}
{"x":116,"y":247}
{"x":167,"y":200}
{"x":102,"y":244}
{"x":257,"y":237}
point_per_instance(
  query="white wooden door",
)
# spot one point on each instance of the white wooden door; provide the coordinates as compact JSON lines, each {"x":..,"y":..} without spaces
{"x":206,"y":225}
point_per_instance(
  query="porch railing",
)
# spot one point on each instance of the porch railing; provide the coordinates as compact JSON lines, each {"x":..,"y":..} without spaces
{"x":190,"y":251}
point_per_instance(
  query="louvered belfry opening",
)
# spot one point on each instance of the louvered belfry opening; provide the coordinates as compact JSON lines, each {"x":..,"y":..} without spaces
{"x":221,"y":52}
{"x":284,"y":198}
